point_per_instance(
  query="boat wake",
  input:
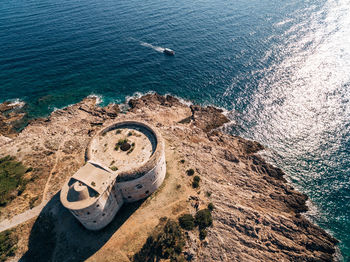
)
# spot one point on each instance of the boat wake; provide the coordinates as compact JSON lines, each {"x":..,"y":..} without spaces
{"x":157,"y":48}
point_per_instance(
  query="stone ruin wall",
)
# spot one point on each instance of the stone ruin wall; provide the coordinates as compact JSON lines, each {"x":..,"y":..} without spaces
{"x":102,"y":212}
{"x":144,"y":186}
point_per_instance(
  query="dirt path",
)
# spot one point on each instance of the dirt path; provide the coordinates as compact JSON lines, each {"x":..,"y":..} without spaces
{"x":31,"y":213}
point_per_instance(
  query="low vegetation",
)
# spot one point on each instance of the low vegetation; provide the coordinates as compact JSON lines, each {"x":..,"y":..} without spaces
{"x":203,"y":218}
{"x":12,"y":181}
{"x":8,"y":245}
{"x":190,"y":172}
{"x":166,"y":242}
{"x":186,"y":221}
{"x":195,"y":182}
{"x":211,"y":206}
{"x":114,"y":168}
{"x":120,"y":143}
{"x":202,"y":234}
{"x":118,"y":131}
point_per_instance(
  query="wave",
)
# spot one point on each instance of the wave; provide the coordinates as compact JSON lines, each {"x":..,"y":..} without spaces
{"x":99,"y":98}
{"x":17,"y":103}
{"x":157,"y":48}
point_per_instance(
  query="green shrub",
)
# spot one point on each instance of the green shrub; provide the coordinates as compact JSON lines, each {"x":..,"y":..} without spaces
{"x":196,"y":178}
{"x":202,"y":234}
{"x":208,"y":194}
{"x":166,"y":242}
{"x":182,"y":161}
{"x":195,"y":184}
{"x":118,"y":131}
{"x":211,"y":206}
{"x":186,"y":221}
{"x":203,"y":218}
{"x":190,"y":172}
{"x":114,"y":168}
{"x":130,"y":134}
{"x":11,"y":178}
{"x":120,"y":143}
{"x":8,"y":245}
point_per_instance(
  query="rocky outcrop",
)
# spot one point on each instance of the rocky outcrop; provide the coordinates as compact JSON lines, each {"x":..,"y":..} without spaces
{"x":10,"y":115}
{"x":257,"y":216}
{"x":207,"y":118}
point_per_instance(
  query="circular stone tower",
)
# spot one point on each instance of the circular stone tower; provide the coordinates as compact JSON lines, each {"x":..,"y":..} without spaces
{"x":126,"y":162}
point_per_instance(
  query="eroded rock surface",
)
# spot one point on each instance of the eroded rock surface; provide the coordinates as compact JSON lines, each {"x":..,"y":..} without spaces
{"x":257,"y":215}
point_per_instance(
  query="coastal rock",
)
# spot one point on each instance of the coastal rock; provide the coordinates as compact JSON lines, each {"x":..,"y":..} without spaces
{"x":10,"y":115}
{"x":152,"y":100}
{"x":257,"y":215}
{"x":208,"y":118}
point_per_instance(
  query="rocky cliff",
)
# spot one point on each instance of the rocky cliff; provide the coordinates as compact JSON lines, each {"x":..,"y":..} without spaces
{"x":257,"y":216}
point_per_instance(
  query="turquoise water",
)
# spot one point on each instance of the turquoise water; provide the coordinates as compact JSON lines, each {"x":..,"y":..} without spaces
{"x":281,"y":67}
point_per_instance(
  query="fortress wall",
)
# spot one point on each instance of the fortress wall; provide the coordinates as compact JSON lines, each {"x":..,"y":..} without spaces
{"x":102,"y":212}
{"x":129,"y":186}
{"x":144,"y":186}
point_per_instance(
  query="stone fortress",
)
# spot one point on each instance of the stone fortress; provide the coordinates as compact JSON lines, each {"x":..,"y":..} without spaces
{"x":125,"y":163}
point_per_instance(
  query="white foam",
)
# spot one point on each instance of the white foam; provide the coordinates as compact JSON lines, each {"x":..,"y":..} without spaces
{"x":17,"y":103}
{"x":157,"y":48}
{"x":182,"y":100}
{"x":99,"y":98}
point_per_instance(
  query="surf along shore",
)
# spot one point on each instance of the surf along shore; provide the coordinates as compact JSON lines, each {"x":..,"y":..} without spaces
{"x":258,"y":216}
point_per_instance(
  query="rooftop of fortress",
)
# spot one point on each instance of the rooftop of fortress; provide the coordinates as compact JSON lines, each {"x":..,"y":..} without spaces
{"x":127,"y":148}
{"x":85,"y":186}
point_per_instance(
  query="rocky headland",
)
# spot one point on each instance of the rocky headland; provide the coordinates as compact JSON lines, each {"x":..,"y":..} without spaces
{"x":258,"y":216}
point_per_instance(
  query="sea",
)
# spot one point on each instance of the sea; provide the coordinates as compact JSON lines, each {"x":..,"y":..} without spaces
{"x":281,"y":70}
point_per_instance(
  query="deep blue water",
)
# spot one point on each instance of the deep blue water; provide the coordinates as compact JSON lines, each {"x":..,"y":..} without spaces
{"x":282,"y":67}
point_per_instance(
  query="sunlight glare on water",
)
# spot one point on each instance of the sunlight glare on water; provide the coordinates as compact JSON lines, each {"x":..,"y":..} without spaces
{"x":301,"y":111}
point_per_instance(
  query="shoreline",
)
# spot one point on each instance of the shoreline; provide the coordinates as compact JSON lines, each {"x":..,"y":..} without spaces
{"x":207,"y":119}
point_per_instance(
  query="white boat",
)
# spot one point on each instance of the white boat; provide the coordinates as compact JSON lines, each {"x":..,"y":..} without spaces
{"x":168,"y":51}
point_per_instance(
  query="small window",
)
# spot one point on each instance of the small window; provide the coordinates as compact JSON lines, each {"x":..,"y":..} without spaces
{"x":94,"y":221}
{"x":147,"y":192}
{"x":103,"y":214}
{"x":129,"y":196}
{"x":139,"y":186}
{"x":97,"y":205}
{"x":88,"y":213}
